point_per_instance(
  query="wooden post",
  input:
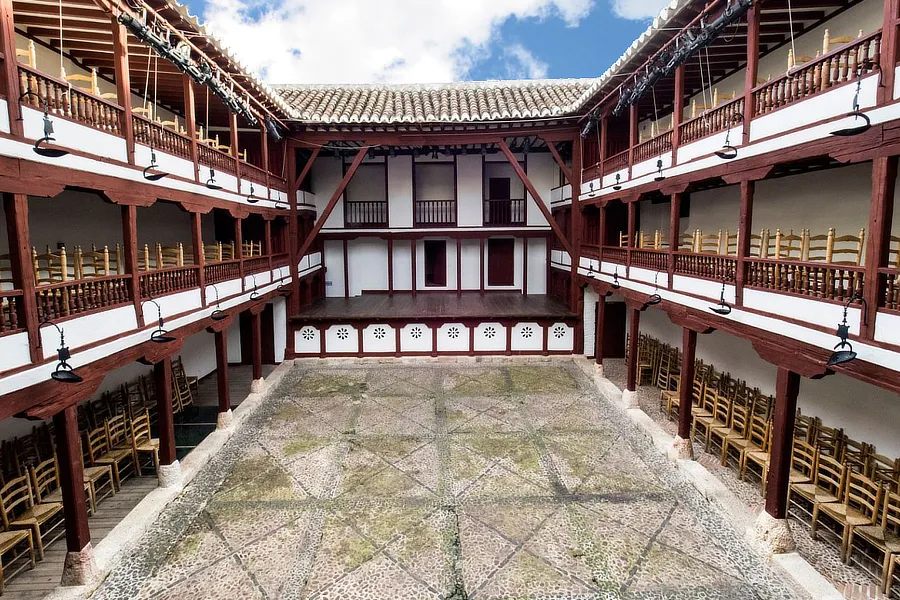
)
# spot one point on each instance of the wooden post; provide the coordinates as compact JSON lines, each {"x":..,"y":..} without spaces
{"x":123,"y":83}
{"x":390,"y":266}
{"x":634,"y":332}
{"x":603,"y":235}
{"x":190,"y":122}
{"x":748,"y":188}
{"x":10,"y":67}
{"x":256,"y":344}
{"x":787,"y":387}
{"x":199,"y":254}
{"x":222,"y":371}
{"x":674,"y":232}
{"x":881,"y":209}
{"x":599,"y":329}
{"x":413,"y":275}
{"x":233,"y":130}
{"x":604,"y":121}
{"x":481,"y":267}
{"x":677,"y":112}
{"x":264,"y":155}
{"x":889,"y":49}
{"x":295,"y":301}
{"x":239,"y":248}
{"x":632,"y":135}
{"x":71,"y":479}
{"x":16,"y":209}
{"x":632,"y":218}
{"x":752,"y":71}
{"x":268,"y":242}
{"x":686,"y":391}
{"x":129,"y":241}
{"x":162,"y":379}
{"x":577,"y":220}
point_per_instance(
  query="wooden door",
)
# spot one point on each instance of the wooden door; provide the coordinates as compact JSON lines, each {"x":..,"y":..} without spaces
{"x":435,"y":263}
{"x":267,"y":334}
{"x":501,"y":261}
{"x":614,"y":330}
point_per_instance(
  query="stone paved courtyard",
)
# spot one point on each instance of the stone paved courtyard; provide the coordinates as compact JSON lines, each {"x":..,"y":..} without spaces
{"x":448,"y":481}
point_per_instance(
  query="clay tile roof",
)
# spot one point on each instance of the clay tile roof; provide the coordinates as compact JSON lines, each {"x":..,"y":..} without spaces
{"x":437,"y":103}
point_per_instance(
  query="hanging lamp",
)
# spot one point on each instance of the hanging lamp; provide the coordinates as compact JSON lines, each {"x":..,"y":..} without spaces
{"x":843,"y":351}
{"x":729,"y":152}
{"x":722,"y":308}
{"x":659,"y":173}
{"x":218,"y":314}
{"x":159,"y":335}
{"x":39,"y":147}
{"x":251,"y":199}
{"x":63,"y":372}
{"x":618,"y":184}
{"x":856,"y":113}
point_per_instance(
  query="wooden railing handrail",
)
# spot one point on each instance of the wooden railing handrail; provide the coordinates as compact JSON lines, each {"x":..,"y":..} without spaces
{"x":77,"y":90}
{"x":799,"y":263}
{"x":70,"y":282}
{"x":160,"y":126}
{"x":10,"y":293}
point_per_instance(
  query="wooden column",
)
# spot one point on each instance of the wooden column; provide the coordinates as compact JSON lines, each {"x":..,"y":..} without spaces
{"x":10,"y":67}
{"x":481,"y":268}
{"x":634,"y":332}
{"x":233,"y":131}
{"x":787,"y":386}
{"x":752,"y":70}
{"x":632,"y":218}
{"x":677,"y":112}
{"x":16,"y":209}
{"x":267,"y":225}
{"x":412,"y":254}
{"x":685,"y":396}
{"x":222,"y":371}
{"x":674,"y":232}
{"x":294,"y":301}
{"x":881,"y":209}
{"x":123,"y":83}
{"x":748,"y":188}
{"x":889,"y":50}
{"x":632,"y":135}
{"x":459,"y":267}
{"x":71,"y":479}
{"x":256,"y":344}
{"x":239,"y":248}
{"x":130,"y":246}
{"x":190,"y":122}
{"x":199,"y":254}
{"x":577,"y":297}
{"x":599,"y":329}
{"x":602,"y":225}
{"x":604,"y":121}
{"x":162,"y":379}
{"x":390,"y":266}
{"x":264,"y":156}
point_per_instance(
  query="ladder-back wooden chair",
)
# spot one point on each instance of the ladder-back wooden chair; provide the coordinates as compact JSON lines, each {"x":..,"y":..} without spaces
{"x":27,"y":56}
{"x":143,"y":444}
{"x":721,"y":411}
{"x":170,"y":256}
{"x":761,"y":245}
{"x":828,"y":40}
{"x":736,"y":428}
{"x":884,"y":470}
{"x":860,"y":506}
{"x":45,"y":484}
{"x":644,"y":240}
{"x":687,"y":242}
{"x":182,"y":398}
{"x":788,"y":246}
{"x":624,"y":241}
{"x":881,"y":539}
{"x":757,"y":451}
{"x":213,"y":252}
{"x":730,"y":243}
{"x":44,"y":521}
{"x":101,"y":454}
{"x":52,"y":267}
{"x":660,"y":241}
{"x":710,"y":243}
{"x":228,"y":251}
{"x":178,"y":369}
{"x":826,"y":487}
{"x":18,"y":545}
{"x":147,"y":261}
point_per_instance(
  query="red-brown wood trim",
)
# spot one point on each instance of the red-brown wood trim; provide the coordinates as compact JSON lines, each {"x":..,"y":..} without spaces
{"x":129,"y":243}
{"x":190,"y":122}
{"x":686,"y":389}
{"x":390,"y":266}
{"x":787,"y":388}
{"x":536,"y":196}
{"x":235,"y":151}
{"x":634,"y":333}
{"x":745,"y":226}
{"x":16,"y":209}
{"x":71,"y":479}
{"x":412,"y":262}
{"x":889,"y":50}
{"x":222,"y":371}
{"x":481,"y":267}
{"x":256,"y":343}
{"x":599,"y":324}
{"x":346,"y":253}
{"x":752,"y":68}
{"x":525,"y":266}
{"x":677,"y":112}
{"x":10,"y":67}
{"x":162,"y":378}
{"x":239,"y":249}
{"x":304,"y":173}
{"x":123,"y":83}
{"x":567,"y":172}
{"x":295,"y":301}
{"x":632,"y":135}
{"x":360,"y":155}
{"x":674,"y":233}
{"x":458,"y":267}
{"x":881,"y":209}
{"x":200,"y":255}
{"x":783,"y":356}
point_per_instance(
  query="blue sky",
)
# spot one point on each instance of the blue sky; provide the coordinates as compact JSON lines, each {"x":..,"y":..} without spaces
{"x":425,"y":41}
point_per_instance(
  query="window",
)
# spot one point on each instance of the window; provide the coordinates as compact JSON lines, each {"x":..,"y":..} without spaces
{"x":435,"y":263}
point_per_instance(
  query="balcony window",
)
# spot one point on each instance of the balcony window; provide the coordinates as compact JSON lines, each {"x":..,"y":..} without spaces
{"x":435,"y":194}
{"x":365,"y":200}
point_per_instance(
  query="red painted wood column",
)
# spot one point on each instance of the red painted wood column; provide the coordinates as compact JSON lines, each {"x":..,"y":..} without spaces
{"x":256,"y":344}
{"x":10,"y":66}
{"x":413,"y":275}
{"x":577,"y":300}
{"x":222,"y":371}
{"x":881,"y":209}
{"x":599,"y":329}
{"x":752,"y":70}
{"x":190,"y":122}
{"x":677,"y":112}
{"x":79,"y":558}
{"x":481,"y":268}
{"x":632,"y":218}
{"x":889,"y":50}
{"x":123,"y":83}
{"x":16,"y":209}
{"x":634,"y":332}
{"x":239,"y":248}
{"x":683,"y":449}
{"x":233,"y":131}
{"x":199,"y":255}
{"x":268,"y":235}
{"x":129,"y":243}
{"x":602,"y":226}
{"x":674,"y":232}
{"x":787,"y":387}
{"x":603,"y":144}
{"x":632,"y":135}
{"x":162,"y":380}
{"x":745,"y":225}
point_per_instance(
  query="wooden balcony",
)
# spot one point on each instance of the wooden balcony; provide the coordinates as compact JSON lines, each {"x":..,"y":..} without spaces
{"x":653,"y":147}
{"x":80,"y":296}
{"x":830,"y":282}
{"x":68,"y":102}
{"x":11,"y":320}
{"x":222,"y":271}
{"x":366,"y":213}
{"x":434,"y":213}
{"x":168,"y":281}
{"x":162,"y":138}
{"x":713,"y":121}
{"x":504,"y":213}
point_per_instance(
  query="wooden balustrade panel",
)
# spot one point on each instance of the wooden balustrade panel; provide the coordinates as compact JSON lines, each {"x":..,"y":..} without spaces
{"x":10,"y":312}
{"x":253,"y":173}
{"x":211,"y":157}
{"x":615,"y":254}
{"x":589,"y":250}
{"x":833,"y":69}
{"x":502,"y":213}
{"x":222,"y":271}
{"x":434,"y":213}
{"x":280,"y":260}
{"x":822,"y":281}
{"x":69,"y":102}
{"x":161,"y":138}
{"x":366,"y":213}
{"x":653,"y":147}
{"x":615,"y":163}
{"x":890,"y":296}
{"x":167,"y":281}
{"x":712,"y":121}
{"x":256,"y":264}
{"x":650,"y":259}
{"x":81,"y":296}
{"x":707,"y":266}
{"x":277,"y":184}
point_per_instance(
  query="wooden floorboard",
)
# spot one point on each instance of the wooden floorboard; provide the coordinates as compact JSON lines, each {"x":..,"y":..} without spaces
{"x":435,"y":305}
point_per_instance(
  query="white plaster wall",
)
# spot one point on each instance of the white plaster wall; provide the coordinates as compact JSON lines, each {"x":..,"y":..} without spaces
{"x":279,"y":318}
{"x":233,"y":341}
{"x":166,"y":223}
{"x":334,"y":265}
{"x":471,"y":274}
{"x":865,"y":412}
{"x":469,"y":190}
{"x":326,"y":176}
{"x":367,"y":265}
{"x":402,"y":266}
{"x":590,"y":320}
{"x":542,"y":171}
{"x":434,"y":180}
{"x":537,"y":266}
{"x":14,"y":351}
{"x":400,"y":191}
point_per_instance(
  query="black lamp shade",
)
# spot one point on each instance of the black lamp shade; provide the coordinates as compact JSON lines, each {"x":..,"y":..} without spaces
{"x":161,"y":336}
{"x":653,"y":300}
{"x":850,"y":131}
{"x":722,"y":309}
{"x":217,"y":315}
{"x":65,"y":374}
{"x":727,"y":152}
{"x":48,"y":152}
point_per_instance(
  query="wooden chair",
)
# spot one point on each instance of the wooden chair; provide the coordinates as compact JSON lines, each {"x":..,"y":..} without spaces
{"x":45,"y":485}
{"x":721,"y":412}
{"x":804,"y":427}
{"x":143,"y":444}
{"x":882,"y":537}
{"x":730,"y":243}
{"x":28,"y":55}
{"x":647,"y":354}
{"x":51,"y":267}
{"x":817,"y":248}
{"x":146,"y":260}
{"x":884,"y":470}
{"x":761,"y":244}
{"x":17,"y":507}
{"x":644,"y":240}
{"x":756,"y":430}
{"x":856,"y":455}
{"x":828,"y":40}
{"x":182,"y":398}
{"x":736,"y":428}
{"x":178,"y":368}
{"x":829,"y":440}
{"x":213,"y":252}
{"x":660,"y":241}
{"x":788,"y":246}
{"x":687,"y":242}
{"x":848,"y":249}
{"x":673,"y":397}
{"x":826,"y":487}
{"x":860,"y":506}
{"x":228,"y":251}
{"x":10,"y":541}
{"x":624,"y":241}
{"x":666,"y":379}
{"x":710,"y":243}
{"x":170,"y":256}
{"x":756,"y":453}
{"x":100,"y":453}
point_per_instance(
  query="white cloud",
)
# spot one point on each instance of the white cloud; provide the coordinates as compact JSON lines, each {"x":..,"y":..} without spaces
{"x":522,"y":64}
{"x":637,"y":10}
{"x":365,"y":41}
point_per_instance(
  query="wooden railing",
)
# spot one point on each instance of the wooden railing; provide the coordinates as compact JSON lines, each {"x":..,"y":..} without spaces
{"x":890,"y":291}
{"x":222,"y":271}
{"x":169,"y":280}
{"x":589,"y":250}
{"x":252,"y":173}
{"x":434,"y":213}
{"x":366,"y":213}
{"x":281,"y":260}
{"x":162,"y":138}
{"x":218,"y":160}
{"x":653,"y":147}
{"x":70,"y":298}
{"x":616,"y":162}
{"x":616,"y":254}
{"x":69,"y":102}
{"x":503,"y":213}
{"x":10,"y":305}
{"x":276,"y":183}
{"x":816,"y":280}
{"x":708,"y":266}
{"x":650,"y":259}
{"x":827,"y":71}
{"x":257,"y":264}
{"x":712,"y":121}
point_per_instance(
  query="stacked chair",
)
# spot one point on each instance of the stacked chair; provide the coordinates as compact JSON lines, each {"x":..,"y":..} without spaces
{"x":842,"y":487}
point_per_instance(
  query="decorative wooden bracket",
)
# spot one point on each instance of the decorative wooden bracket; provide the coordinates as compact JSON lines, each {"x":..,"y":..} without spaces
{"x":791,"y":358}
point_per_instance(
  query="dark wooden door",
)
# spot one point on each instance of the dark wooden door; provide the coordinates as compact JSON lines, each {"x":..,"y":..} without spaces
{"x":268,"y":334}
{"x":435,"y":263}
{"x":614,"y":330}
{"x":498,"y":188}
{"x":501,"y":261}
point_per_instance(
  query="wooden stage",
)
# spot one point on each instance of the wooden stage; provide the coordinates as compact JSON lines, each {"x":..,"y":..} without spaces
{"x":436,"y":305}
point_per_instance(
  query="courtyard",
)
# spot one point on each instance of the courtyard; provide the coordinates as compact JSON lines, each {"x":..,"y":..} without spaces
{"x":452,"y":481}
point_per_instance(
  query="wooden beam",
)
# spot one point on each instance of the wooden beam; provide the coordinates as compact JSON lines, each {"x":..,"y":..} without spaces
{"x":674,"y":232}
{"x":889,"y":50}
{"x":686,"y":387}
{"x":10,"y":81}
{"x":71,"y":479}
{"x":576,"y":303}
{"x":332,"y":202}
{"x":745,"y":226}
{"x":306,"y":170}
{"x":123,"y":84}
{"x":536,"y":196}
{"x":751,"y":71}
{"x":199,"y":254}
{"x":162,"y":378}
{"x":881,"y":210}
{"x":634,"y":332}
{"x":599,"y":329}
{"x":190,"y":122}
{"x":567,"y":172}
{"x":16,"y":209}
{"x":787,"y":387}
{"x":256,"y":344}
{"x":677,"y":112}
{"x":294,"y":301}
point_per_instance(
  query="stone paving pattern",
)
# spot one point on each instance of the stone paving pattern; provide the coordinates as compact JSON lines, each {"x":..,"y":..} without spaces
{"x":382,"y":481}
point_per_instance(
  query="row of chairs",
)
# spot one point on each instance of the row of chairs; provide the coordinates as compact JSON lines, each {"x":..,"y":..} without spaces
{"x":840,"y":484}
{"x":828,"y":247}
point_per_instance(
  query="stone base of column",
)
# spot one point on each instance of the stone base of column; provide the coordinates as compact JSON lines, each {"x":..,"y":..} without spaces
{"x":681,"y":449}
{"x":170,"y":475}
{"x":598,"y":369}
{"x":771,"y":535}
{"x":257,"y":385}
{"x":630,"y":399}
{"x":79,"y":568}
{"x":224,"y":419}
